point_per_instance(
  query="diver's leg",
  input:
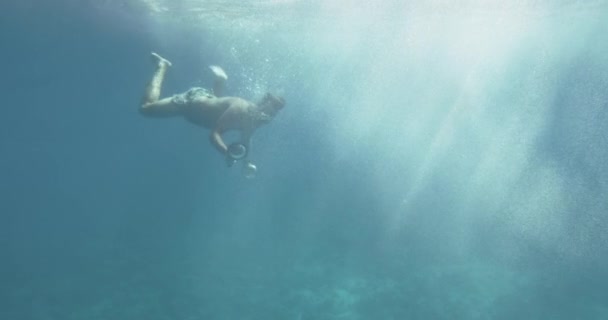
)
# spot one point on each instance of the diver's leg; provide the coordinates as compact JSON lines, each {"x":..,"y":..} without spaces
{"x":151,"y":105}
{"x":152,"y":93}
{"x":220,"y":80}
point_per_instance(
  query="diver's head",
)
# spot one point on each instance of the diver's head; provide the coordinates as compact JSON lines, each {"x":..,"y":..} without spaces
{"x":271,"y":104}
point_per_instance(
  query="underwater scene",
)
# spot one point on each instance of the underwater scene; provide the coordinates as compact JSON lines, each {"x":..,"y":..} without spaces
{"x":304,"y":159}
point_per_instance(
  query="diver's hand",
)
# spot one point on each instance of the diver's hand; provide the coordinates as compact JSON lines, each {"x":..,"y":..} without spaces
{"x":249,"y":170}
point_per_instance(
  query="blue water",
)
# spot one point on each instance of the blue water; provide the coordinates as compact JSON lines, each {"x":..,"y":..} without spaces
{"x":435,"y":160}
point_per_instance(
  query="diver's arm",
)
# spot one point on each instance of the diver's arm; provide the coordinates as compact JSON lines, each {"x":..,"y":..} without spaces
{"x":227,"y":121}
{"x":218,"y":142}
{"x":223,"y":123}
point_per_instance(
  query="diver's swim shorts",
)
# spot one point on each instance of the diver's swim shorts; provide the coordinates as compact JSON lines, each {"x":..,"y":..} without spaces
{"x":191,"y":95}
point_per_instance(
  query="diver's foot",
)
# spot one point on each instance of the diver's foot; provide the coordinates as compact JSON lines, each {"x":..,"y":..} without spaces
{"x":219,"y":72}
{"x":162,"y":62}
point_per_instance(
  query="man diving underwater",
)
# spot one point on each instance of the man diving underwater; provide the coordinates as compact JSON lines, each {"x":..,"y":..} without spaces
{"x":209,"y":109}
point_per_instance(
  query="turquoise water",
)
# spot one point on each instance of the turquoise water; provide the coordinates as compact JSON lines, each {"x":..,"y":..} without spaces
{"x":435,"y":160}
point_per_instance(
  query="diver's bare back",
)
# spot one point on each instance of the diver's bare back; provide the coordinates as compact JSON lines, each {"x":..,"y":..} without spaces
{"x":227,"y":112}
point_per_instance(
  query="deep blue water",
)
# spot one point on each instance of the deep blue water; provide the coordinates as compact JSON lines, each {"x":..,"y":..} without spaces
{"x":434,"y":161}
